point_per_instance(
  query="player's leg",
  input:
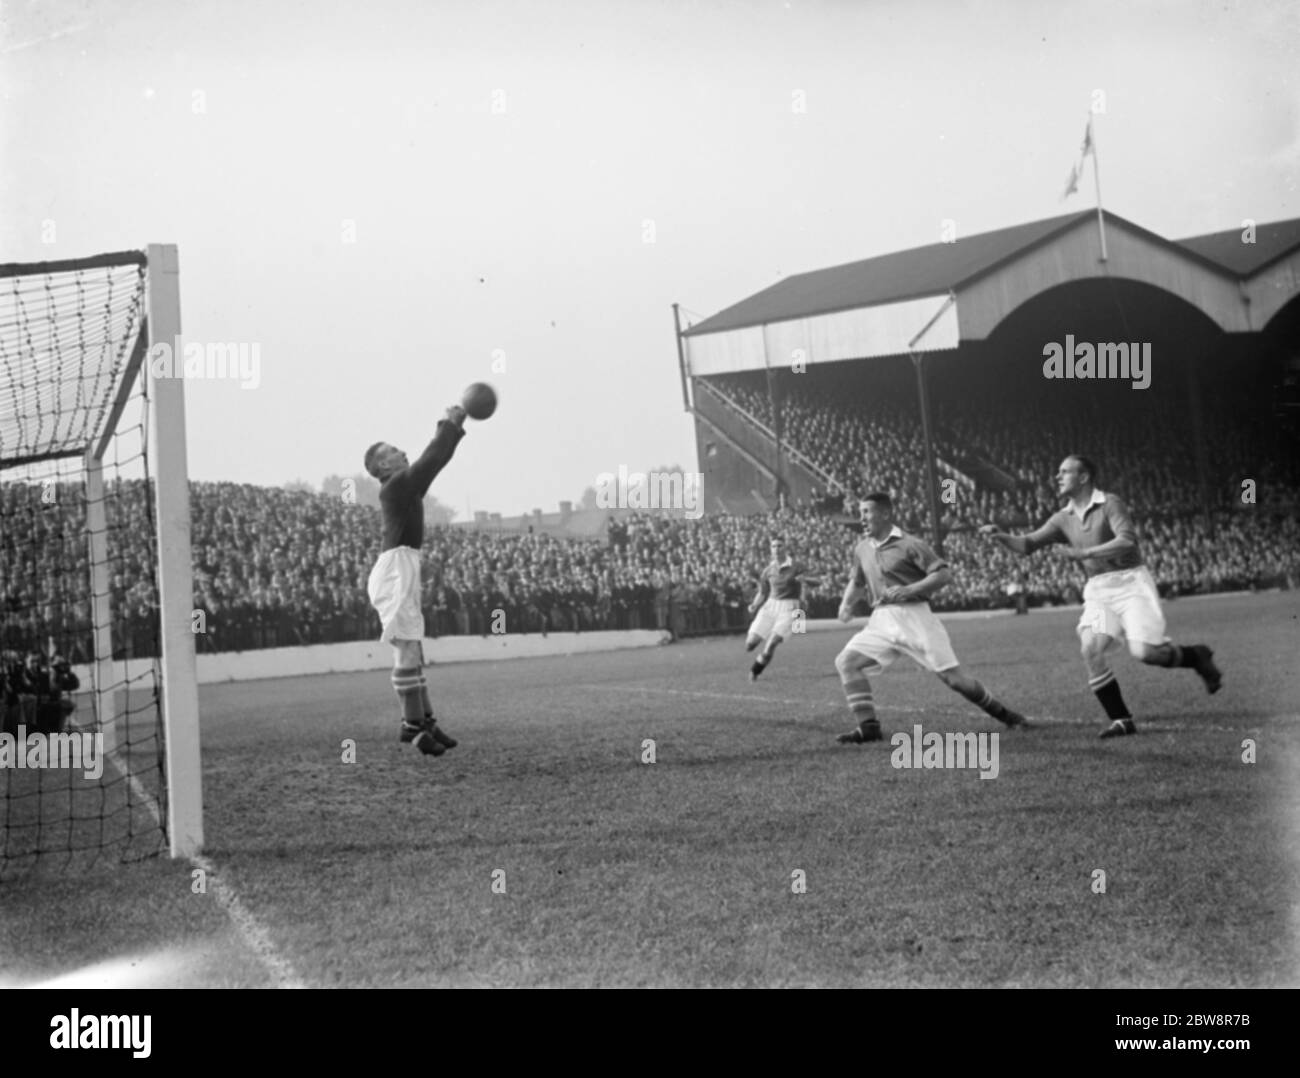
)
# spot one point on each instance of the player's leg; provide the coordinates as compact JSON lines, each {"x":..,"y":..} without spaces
{"x":1093,"y":645}
{"x":444,"y":738}
{"x":959,"y":681}
{"x":759,"y":629}
{"x":408,"y":684}
{"x":1144,"y":628}
{"x":765,"y":656}
{"x":782,"y":624}
{"x":924,"y":638}
{"x":868,"y":652}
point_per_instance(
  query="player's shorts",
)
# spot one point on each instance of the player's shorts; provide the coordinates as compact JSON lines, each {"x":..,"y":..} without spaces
{"x":905,"y":629}
{"x":394,"y":588}
{"x":1124,"y":602}
{"x":776,"y":616}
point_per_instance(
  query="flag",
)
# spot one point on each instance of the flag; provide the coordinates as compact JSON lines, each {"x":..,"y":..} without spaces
{"x":1072,"y":184}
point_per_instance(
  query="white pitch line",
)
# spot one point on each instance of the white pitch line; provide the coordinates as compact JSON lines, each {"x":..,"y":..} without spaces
{"x":253,"y":933}
{"x":252,"y":930}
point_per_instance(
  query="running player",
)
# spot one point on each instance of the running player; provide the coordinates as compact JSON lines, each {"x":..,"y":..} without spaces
{"x":1119,"y":597}
{"x":394,"y":584}
{"x":899,"y":573}
{"x":779,"y":595}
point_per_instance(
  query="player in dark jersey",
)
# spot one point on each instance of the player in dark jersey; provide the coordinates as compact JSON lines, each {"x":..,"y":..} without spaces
{"x":394,"y":584}
{"x":777,"y":605}
{"x":899,"y":573}
{"x":1119,"y":598}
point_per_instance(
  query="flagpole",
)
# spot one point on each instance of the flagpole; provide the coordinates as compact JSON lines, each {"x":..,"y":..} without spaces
{"x":1096,"y":176}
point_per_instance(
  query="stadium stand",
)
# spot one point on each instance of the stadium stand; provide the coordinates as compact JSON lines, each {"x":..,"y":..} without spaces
{"x":276,"y":568}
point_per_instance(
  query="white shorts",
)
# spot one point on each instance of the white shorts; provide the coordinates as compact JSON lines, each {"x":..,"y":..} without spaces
{"x":775,"y":618}
{"x":905,"y":629}
{"x":1124,"y":602}
{"x":394,"y":588}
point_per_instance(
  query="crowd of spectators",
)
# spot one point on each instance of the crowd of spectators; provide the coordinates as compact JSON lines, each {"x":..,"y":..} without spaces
{"x":275,"y":567}
{"x":35,"y":691}
{"x":863,"y":432}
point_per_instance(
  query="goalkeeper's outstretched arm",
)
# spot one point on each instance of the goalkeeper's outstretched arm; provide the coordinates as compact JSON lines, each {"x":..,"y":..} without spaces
{"x":439,"y":451}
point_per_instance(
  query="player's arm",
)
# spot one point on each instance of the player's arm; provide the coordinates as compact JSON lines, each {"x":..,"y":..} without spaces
{"x":439,"y":451}
{"x":852,"y":592}
{"x":1026,"y":544}
{"x":925,"y":587}
{"x":937,"y":577}
{"x":764,"y":589}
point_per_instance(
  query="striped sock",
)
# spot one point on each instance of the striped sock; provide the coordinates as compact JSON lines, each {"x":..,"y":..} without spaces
{"x":424,"y":697}
{"x":857,"y":691}
{"x":406,"y":683}
{"x":1106,"y":689}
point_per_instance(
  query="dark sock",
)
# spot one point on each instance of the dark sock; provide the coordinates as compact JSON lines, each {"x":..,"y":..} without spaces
{"x":1186,"y":656}
{"x":1106,"y":689}
{"x":986,"y":701}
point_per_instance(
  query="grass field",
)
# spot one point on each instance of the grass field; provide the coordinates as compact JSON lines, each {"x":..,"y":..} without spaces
{"x":681,"y":872}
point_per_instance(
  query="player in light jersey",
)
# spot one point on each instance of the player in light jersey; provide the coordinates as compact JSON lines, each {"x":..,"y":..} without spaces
{"x":899,"y":573}
{"x":1119,"y":597}
{"x":394,"y":584}
{"x":777,"y":604}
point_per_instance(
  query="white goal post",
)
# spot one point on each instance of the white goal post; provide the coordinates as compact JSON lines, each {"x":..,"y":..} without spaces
{"x":76,"y":382}
{"x":169,"y":466}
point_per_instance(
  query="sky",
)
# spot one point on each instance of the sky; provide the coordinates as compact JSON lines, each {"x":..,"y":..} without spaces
{"x":391,"y":200}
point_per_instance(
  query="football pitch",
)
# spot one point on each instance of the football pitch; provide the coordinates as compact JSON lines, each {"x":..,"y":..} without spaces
{"x":752,"y":851}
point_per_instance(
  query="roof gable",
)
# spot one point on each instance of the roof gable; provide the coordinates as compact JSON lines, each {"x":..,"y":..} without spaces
{"x":890,"y":278}
{"x":1272,"y":241}
{"x":939,"y":268}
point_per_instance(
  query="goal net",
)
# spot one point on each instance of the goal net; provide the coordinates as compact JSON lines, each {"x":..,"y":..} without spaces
{"x":98,"y":711}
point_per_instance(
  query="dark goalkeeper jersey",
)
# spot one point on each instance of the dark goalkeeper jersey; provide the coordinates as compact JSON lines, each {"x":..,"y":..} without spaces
{"x":401,"y":497}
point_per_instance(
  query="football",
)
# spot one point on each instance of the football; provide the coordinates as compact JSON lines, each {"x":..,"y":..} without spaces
{"x":479,"y":401}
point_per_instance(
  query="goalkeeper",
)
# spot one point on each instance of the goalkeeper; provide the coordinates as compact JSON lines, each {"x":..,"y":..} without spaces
{"x":394,"y":584}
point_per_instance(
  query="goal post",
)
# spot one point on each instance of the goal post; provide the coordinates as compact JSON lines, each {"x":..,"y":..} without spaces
{"x":175,"y":569}
{"x":95,"y":565}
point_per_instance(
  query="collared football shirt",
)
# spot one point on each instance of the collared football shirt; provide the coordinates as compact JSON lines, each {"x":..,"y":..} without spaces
{"x":895,"y":561}
{"x":781,"y":580}
{"x":1104,"y":518}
